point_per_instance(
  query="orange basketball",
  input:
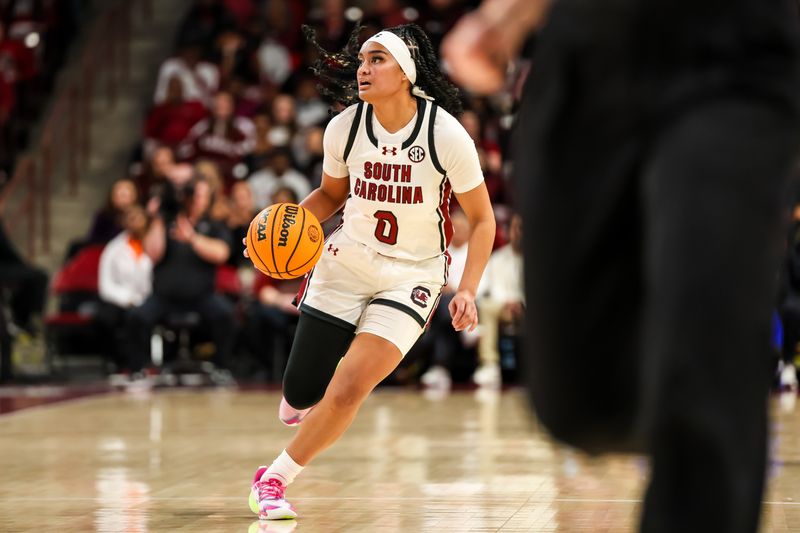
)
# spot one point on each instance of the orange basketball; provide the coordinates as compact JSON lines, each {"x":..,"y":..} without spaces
{"x":284,"y":241}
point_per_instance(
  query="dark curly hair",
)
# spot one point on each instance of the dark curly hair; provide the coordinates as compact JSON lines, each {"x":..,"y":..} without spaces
{"x":336,"y":71}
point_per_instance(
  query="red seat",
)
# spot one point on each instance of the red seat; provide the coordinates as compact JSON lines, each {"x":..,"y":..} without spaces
{"x":72,"y":329}
{"x":227,"y":281}
{"x":80,"y":274}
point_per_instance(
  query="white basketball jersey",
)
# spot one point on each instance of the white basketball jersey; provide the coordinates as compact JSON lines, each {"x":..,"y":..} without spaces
{"x":400,"y":185}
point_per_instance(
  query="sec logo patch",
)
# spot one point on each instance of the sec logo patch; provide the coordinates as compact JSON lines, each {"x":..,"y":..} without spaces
{"x":416,"y":154}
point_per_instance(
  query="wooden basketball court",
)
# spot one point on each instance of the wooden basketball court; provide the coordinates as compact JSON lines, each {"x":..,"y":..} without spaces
{"x":182,"y":460}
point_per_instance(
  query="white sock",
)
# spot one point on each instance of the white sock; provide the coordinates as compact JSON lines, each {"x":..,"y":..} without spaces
{"x":283,"y":468}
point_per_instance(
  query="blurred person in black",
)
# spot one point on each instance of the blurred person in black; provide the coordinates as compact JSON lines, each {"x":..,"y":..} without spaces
{"x":242,"y":211}
{"x":186,"y":247}
{"x":654,"y":140}
{"x":26,"y":285}
{"x":789,"y":304}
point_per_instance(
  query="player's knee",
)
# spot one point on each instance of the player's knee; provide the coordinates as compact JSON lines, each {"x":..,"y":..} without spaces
{"x":348,"y":394}
{"x":300,"y":392}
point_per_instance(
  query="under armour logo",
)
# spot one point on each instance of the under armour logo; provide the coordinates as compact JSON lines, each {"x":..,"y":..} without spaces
{"x":332,"y":249}
{"x":393,"y":149}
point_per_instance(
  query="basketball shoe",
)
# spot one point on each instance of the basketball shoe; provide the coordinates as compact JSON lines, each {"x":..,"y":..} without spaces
{"x":291,"y":416}
{"x":266,"y":498}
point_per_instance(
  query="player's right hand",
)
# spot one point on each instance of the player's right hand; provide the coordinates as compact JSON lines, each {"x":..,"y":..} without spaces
{"x":475,"y":54}
{"x":244,"y":252}
{"x":463,"y":310}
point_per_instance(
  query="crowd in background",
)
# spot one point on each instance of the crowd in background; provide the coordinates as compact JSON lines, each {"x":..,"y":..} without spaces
{"x":34,"y":39}
{"x":236,"y":124}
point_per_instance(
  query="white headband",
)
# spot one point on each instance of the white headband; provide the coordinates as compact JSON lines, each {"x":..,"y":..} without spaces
{"x":399,"y":51}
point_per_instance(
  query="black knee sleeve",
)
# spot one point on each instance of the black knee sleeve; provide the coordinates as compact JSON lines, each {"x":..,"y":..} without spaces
{"x":318,"y":347}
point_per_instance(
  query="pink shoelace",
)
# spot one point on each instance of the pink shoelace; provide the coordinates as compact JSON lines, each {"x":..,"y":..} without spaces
{"x":271,"y":489}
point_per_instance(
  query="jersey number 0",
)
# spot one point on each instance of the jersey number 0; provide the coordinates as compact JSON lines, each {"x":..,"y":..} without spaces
{"x":386,"y":228}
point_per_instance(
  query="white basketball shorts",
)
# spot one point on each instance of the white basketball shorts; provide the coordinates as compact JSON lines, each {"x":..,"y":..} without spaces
{"x":355,"y":287}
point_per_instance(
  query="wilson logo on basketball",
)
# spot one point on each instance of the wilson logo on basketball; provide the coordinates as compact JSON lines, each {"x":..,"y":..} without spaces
{"x":289,"y":216}
{"x":416,"y":154}
{"x":313,"y":234}
{"x":261,"y":230}
{"x":420,"y":296}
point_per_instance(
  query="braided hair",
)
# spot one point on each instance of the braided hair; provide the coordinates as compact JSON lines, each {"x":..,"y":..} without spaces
{"x":336,"y":71}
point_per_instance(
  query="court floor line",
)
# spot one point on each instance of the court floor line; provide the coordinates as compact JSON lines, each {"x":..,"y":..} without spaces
{"x":151,"y":500}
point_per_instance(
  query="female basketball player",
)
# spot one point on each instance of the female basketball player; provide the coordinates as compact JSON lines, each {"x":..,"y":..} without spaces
{"x":391,"y":158}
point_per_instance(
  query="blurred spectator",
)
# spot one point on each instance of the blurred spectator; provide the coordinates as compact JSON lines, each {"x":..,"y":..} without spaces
{"x":256,"y":99}
{"x":271,"y":318}
{"x":200,"y":79}
{"x":169,"y":122}
{"x":447,"y":343}
{"x":220,"y":206}
{"x":438,"y":16}
{"x":501,"y":300}
{"x":186,"y":252}
{"x":108,"y":221}
{"x":241,"y":10}
{"x":262,"y":148}
{"x":230,"y":55}
{"x":495,"y":184}
{"x":241,"y":212}
{"x":389,"y":13}
{"x":283,"y":195}
{"x":284,"y":18}
{"x":125,"y":280}
{"x":204,"y":23}
{"x":284,"y":123}
{"x":333,"y":30}
{"x":472,"y":123}
{"x":310,"y":109}
{"x":223,"y":138}
{"x":278,"y":174}
{"x":274,"y":61}
{"x":308,"y":152}
{"x":161,"y":170}
{"x":26,"y":284}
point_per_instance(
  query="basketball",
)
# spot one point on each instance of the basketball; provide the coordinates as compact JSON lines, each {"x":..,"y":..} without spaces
{"x":284,"y":241}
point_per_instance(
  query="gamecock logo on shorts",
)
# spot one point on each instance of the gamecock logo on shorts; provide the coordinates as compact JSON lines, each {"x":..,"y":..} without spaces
{"x":420,"y":296}
{"x":416,"y":154}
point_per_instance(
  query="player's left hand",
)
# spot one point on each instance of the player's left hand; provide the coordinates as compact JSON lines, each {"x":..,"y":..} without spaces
{"x":462,"y":309}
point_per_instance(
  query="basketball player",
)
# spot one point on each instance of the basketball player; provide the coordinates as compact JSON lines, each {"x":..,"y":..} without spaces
{"x":654,"y":138}
{"x":392,"y":159}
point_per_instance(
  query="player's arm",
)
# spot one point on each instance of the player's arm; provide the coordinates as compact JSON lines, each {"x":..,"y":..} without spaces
{"x":479,"y":48}
{"x":478,"y":208}
{"x":328,"y":198}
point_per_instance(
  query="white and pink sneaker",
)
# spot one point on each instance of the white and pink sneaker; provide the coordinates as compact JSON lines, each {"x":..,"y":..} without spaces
{"x":291,"y":416}
{"x":267,"y":500}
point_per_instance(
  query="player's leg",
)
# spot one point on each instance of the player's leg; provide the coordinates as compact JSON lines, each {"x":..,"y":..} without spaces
{"x":712,"y":196}
{"x":319,"y":345}
{"x":372,"y":356}
{"x":368,"y":361}
{"x":331,"y":304}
